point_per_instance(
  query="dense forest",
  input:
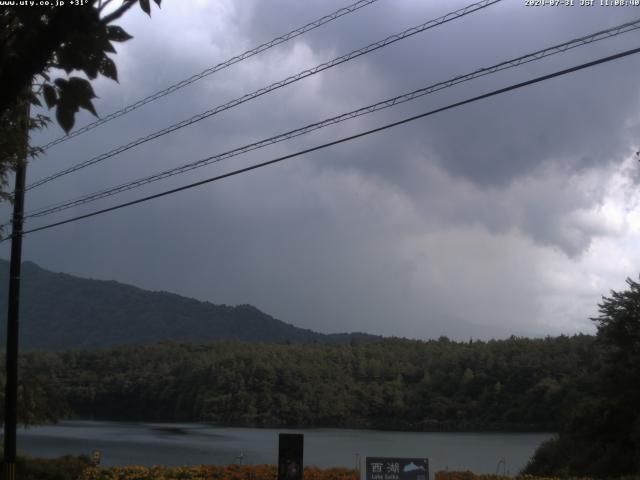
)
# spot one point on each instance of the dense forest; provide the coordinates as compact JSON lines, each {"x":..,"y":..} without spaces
{"x":513,"y":384}
{"x":600,"y":435}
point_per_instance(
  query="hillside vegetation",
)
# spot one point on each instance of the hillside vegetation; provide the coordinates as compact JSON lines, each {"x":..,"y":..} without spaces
{"x":60,"y":311}
{"x":514,"y":384}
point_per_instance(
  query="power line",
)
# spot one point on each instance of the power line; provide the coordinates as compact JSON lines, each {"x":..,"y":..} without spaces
{"x":274,"y":86}
{"x":341,"y":140}
{"x":216,"y":68}
{"x":540,"y":54}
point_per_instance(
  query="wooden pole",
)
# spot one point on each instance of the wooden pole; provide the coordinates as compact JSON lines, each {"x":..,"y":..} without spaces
{"x":11,"y":386}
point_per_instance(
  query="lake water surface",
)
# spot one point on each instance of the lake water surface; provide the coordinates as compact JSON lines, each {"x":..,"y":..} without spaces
{"x":195,"y":444}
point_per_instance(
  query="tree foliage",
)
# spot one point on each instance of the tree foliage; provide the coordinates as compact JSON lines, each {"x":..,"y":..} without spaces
{"x":37,"y":40}
{"x":601,"y":435}
{"x":14,"y":127}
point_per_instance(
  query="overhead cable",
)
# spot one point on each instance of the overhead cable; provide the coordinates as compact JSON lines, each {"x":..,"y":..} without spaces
{"x":540,"y":54}
{"x":211,"y":70}
{"x":274,"y":86}
{"x":339,"y":141}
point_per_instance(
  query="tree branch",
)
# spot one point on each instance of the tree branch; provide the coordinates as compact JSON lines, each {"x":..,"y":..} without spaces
{"x":126,"y":5}
{"x":103,"y":5}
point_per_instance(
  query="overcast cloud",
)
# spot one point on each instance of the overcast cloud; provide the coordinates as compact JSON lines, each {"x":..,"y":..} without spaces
{"x":512,"y":215}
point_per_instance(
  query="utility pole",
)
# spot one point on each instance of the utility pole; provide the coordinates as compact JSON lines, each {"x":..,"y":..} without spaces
{"x":11,"y":386}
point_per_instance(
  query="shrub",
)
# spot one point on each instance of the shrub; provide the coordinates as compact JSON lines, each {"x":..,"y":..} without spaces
{"x":63,"y":468}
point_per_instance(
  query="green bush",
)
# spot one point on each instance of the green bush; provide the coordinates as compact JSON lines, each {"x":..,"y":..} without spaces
{"x":63,"y":468}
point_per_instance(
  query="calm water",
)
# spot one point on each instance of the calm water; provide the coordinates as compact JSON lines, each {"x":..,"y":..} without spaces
{"x":195,"y":444}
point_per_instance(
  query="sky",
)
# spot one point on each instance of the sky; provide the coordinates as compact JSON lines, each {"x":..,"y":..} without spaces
{"x":511,"y":215}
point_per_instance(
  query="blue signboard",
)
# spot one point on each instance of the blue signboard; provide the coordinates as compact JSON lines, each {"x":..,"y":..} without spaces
{"x":395,"y":468}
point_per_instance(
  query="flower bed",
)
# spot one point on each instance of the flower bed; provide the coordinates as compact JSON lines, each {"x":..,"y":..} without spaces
{"x":467,"y":475}
{"x":210,"y":472}
{"x":269,"y":472}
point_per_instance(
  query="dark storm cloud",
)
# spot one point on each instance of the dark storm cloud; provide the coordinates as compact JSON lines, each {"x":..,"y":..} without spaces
{"x":580,"y":118}
{"x":457,"y":224}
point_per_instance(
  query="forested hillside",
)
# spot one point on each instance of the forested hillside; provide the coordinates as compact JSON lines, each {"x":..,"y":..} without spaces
{"x":59,"y":311}
{"x":514,"y":384}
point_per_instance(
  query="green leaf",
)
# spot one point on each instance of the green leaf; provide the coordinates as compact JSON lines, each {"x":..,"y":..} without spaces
{"x":91,"y":67}
{"x":82,"y":93}
{"x":144,"y":4}
{"x":81,"y":88}
{"x":117,"y":34}
{"x":107,"y":47}
{"x":88,"y":105}
{"x":74,"y":94}
{"x":65,"y":117}
{"x":50,"y":95}
{"x":108,"y":68}
{"x":69,"y":58}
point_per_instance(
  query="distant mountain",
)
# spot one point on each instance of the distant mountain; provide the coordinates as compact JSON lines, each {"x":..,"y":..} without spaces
{"x":59,"y":311}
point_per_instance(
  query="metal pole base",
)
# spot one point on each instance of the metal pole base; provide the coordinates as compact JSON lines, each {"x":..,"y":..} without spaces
{"x":9,"y":471}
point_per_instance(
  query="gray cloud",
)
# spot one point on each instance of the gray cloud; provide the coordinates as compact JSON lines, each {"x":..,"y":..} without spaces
{"x":475,"y":222}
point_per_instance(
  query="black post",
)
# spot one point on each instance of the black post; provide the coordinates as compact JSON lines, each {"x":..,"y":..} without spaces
{"x":290,"y":453}
{"x":11,"y":386}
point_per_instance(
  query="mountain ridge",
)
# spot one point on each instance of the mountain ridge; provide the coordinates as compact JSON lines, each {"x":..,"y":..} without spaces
{"x":60,"y":311}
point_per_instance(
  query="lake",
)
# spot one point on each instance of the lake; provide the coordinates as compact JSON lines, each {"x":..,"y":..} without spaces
{"x":195,"y":444}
